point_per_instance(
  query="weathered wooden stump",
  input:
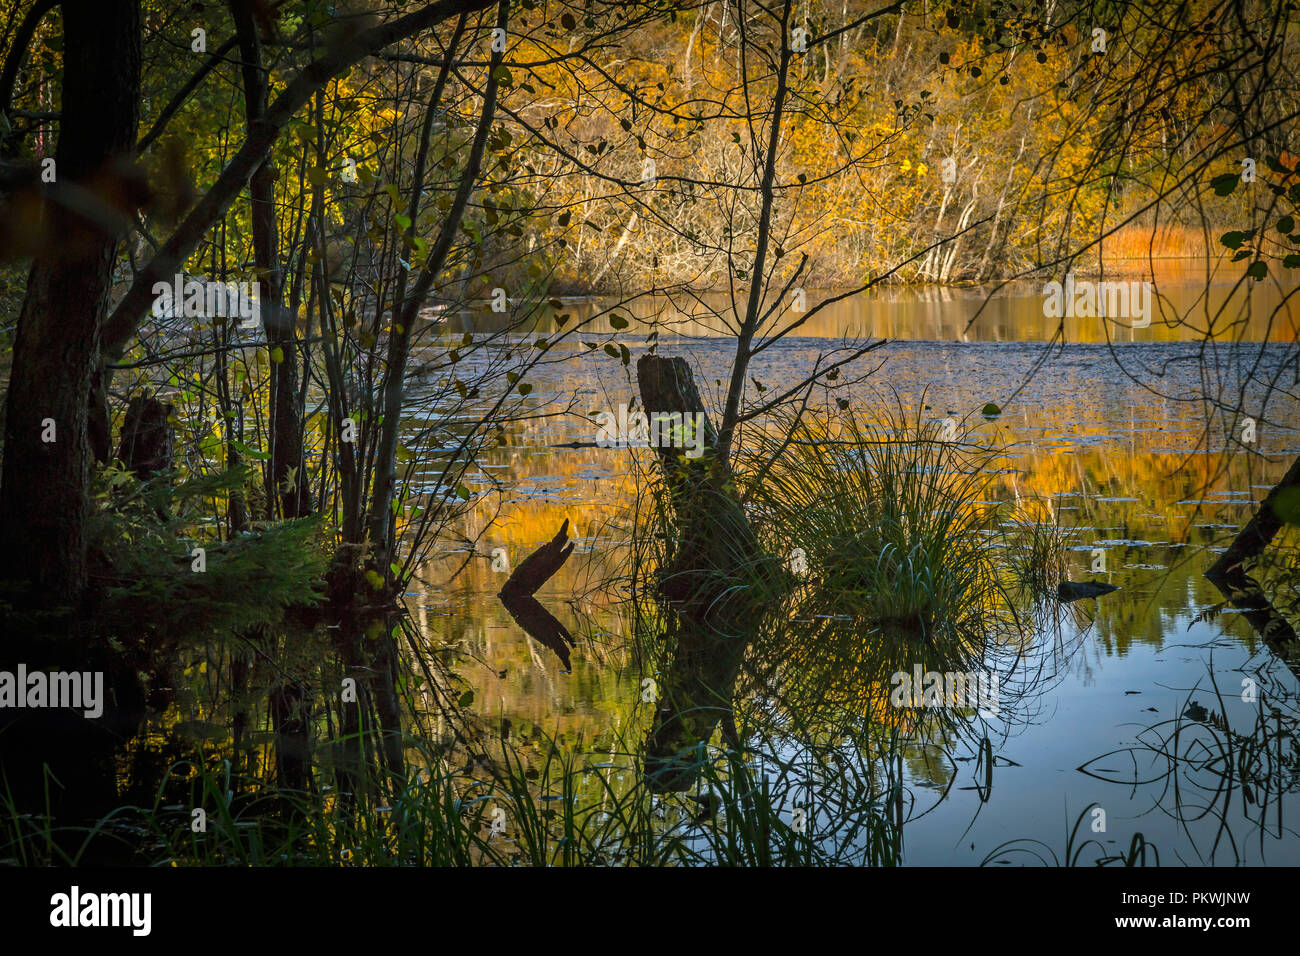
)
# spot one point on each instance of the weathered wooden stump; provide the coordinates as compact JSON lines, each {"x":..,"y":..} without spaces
{"x":147,"y":437}
{"x":716,"y":557}
{"x":715,"y":585}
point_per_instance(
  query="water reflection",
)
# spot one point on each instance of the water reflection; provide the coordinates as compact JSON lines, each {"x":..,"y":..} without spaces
{"x":1190,"y":302}
{"x":1225,"y":771}
{"x":1144,"y":483}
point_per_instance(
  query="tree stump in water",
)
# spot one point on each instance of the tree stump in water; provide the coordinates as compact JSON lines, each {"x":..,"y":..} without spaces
{"x":538,"y":568}
{"x":714,"y":584}
{"x":716,"y":548}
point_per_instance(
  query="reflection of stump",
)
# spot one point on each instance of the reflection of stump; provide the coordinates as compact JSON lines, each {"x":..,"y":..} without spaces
{"x":695,"y":694}
{"x":146,"y":447}
{"x":291,"y":717}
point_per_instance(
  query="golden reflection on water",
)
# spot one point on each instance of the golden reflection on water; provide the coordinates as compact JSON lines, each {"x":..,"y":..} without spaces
{"x":1140,"y":486}
{"x":1190,"y":301}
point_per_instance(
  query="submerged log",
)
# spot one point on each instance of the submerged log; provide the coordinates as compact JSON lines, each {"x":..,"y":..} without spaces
{"x":1229,"y":575}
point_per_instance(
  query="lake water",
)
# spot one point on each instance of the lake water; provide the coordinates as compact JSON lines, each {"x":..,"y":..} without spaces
{"x":1114,"y":425}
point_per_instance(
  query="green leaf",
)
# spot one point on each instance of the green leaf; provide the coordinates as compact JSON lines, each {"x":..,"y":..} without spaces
{"x":403,"y":222}
{"x":1292,"y":261}
{"x":1232,"y":240}
{"x":1286,"y":224}
{"x":991,"y":410}
{"x":1287,"y":505}
{"x":277,"y":355}
{"x":611,"y":351}
{"x":250,"y":452}
{"x":317,"y":176}
{"x":466,"y":698}
{"x":617,"y":322}
{"x":524,"y":388}
{"x":1225,"y":184}
{"x":1257,"y":270}
{"x":462,"y":492}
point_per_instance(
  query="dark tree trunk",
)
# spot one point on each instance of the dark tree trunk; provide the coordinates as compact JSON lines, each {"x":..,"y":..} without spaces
{"x":44,"y":495}
{"x":716,"y":547}
{"x":290,"y":485}
{"x":44,"y":492}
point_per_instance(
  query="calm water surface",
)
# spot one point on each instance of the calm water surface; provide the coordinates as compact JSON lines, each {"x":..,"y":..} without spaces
{"x":1134,"y":471}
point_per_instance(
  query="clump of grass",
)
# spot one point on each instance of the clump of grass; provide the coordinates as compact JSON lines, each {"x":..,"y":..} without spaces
{"x":562,"y":813}
{"x":902,"y":565}
{"x":1035,"y":542}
